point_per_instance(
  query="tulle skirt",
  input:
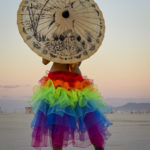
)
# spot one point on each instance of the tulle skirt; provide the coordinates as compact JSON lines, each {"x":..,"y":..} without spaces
{"x":68,"y":110}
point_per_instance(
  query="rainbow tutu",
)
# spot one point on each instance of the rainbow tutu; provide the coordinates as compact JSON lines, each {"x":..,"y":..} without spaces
{"x":68,"y":110}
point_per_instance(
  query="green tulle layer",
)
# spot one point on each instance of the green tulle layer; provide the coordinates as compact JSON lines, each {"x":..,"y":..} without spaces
{"x":64,"y":98}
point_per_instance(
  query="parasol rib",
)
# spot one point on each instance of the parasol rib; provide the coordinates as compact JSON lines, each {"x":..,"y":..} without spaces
{"x":53,"y":21}
{"x":41,"y":13}
{"x":83,"y":25}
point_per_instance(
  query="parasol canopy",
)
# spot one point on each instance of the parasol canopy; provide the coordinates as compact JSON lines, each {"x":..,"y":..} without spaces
{"x":63,"y":31}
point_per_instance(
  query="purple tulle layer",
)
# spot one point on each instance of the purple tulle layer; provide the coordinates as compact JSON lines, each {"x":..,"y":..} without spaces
{"x":53,"y":129}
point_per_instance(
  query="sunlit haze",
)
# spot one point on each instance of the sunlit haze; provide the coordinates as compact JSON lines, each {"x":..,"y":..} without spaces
{"x":120,"y":68}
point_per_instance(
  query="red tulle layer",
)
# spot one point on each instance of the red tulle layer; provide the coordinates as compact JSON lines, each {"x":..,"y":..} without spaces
{"x":67,"y":80}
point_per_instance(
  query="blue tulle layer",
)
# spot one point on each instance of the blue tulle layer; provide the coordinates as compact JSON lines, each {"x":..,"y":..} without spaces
{"x":75,"y":112}
{"x":70,"y":115}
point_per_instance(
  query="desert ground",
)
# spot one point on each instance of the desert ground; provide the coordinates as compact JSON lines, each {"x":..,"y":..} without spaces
{"x":128,"y":132}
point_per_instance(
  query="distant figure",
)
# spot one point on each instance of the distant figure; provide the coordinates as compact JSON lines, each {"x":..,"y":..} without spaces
{"x":28,"y":110}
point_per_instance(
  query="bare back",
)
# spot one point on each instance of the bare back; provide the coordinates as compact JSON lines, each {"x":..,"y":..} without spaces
{"x":64,"y":67}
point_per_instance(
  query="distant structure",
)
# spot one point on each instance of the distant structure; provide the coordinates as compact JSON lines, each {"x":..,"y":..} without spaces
{"x":28,"y":110}
{"x":133,"y":108}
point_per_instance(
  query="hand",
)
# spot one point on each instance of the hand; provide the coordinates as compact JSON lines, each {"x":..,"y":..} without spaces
{"x":45,"y":61}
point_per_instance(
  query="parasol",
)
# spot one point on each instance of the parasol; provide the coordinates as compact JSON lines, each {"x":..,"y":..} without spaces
{"x":63,"y":31}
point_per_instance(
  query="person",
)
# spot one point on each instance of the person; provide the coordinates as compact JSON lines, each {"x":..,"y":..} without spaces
{"x":67,"y":106}
{"x":68,"y":110}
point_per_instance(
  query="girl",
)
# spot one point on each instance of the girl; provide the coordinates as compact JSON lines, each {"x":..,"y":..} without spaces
{"x":68,"y":110}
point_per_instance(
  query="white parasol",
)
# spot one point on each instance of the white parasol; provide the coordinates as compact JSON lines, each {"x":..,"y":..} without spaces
{"x":63,"y":31}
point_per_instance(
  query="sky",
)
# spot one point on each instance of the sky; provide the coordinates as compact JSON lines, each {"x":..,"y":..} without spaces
{"x":120,"y":68}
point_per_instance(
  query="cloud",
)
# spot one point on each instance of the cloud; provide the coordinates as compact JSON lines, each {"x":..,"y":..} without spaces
{"x":14,"y":98}
{"x":14,"y":86}
{"x":9,"y":86}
